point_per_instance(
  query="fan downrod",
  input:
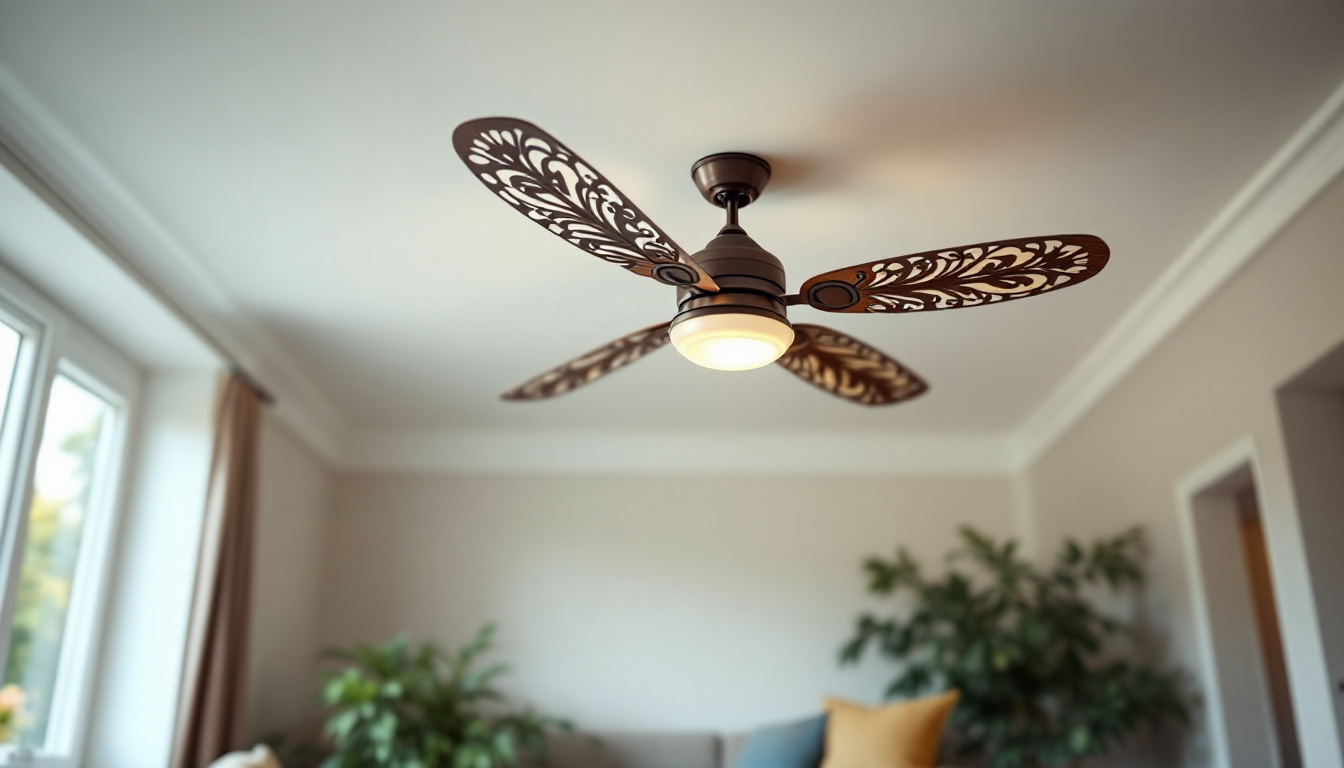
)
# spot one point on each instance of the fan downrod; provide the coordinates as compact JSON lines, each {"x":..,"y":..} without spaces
{"x":729,"y":176}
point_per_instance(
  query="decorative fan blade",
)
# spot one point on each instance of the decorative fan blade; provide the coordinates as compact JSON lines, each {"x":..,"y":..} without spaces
{"x":599,"y":362}
{"x":848,"y":368}
{"x":969,"y":276}
{"x":551,"y":185}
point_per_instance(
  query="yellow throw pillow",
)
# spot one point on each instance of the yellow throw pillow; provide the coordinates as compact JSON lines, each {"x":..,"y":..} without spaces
{"x":901,"y":735}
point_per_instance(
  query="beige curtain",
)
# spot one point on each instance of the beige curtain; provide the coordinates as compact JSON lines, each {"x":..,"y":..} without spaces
{"x":210,"y":708}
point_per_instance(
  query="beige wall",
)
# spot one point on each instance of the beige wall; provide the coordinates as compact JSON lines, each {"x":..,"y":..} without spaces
{"x":293,"y":500}
{"x":640,"y":602}
{"x":1207,"y":386}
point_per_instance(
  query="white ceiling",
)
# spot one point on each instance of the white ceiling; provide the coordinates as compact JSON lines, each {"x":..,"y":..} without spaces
{"x":300,"y":153}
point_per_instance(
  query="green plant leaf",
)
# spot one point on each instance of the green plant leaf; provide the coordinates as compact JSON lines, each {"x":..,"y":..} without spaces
{"x":404,"y":706}
{"x":1036,"y":662}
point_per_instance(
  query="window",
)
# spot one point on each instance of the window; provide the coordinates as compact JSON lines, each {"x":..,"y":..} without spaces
{"x":77,"y":425}
{"x":63,"y":413}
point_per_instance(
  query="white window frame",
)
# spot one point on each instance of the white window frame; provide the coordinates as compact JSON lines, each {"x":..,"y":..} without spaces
{"x":55,"y":343}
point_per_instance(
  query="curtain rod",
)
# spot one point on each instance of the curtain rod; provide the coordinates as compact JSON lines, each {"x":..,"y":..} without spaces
{"x":27,"y":172}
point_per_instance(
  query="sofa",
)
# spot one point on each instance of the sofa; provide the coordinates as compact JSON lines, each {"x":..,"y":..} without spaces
{"x":613,"y":749}
{"x":633,"y":749}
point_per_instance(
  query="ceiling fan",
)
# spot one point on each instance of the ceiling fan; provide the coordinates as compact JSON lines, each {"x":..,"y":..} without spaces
{"x":731,"y":296}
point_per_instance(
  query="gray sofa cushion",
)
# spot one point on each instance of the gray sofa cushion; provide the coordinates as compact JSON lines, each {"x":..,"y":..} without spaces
{"x":634,"y":750}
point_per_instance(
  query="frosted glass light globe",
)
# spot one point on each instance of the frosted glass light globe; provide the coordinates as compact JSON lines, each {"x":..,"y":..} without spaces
{"x":731,"y":341}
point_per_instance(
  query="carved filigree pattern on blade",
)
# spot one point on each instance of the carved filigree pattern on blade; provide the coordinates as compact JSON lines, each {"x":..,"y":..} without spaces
{"x":848,"y":368}
{"x":970,"y":276}
{"x":591,"y":366}
{"x":551,"y":185}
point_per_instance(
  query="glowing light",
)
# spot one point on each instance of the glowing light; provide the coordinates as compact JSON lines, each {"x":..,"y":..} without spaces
{"x":731,"y":341}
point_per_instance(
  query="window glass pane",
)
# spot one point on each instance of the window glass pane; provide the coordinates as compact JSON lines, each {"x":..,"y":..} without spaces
{"x":75,"y":424}
{"x":9,"y":356}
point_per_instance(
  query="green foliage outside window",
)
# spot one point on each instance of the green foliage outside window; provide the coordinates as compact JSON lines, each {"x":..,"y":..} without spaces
{"x":399,"y":707}
{"x":50,"y":554}
{"x":1034,"y":660}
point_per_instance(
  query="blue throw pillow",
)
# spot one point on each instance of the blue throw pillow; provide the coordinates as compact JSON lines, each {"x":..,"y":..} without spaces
{"x":797,"y":744}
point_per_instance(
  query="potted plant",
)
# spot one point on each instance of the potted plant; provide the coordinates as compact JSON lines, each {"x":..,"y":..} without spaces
{"x":396,"y":706}
{"x":1037,"y":666}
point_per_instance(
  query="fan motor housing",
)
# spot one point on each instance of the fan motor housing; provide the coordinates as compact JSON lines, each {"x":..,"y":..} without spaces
{"x":750,"y":279}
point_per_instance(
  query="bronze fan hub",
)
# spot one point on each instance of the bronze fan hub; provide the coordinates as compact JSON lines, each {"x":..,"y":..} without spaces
{"x":750,"y":279}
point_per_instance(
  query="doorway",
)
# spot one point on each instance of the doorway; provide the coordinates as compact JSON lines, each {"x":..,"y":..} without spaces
{"x":1250,"y":706}
{"x":1266,"y":613}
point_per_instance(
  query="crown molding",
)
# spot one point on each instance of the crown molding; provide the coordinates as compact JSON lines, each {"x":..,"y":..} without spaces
{"x":129,"y":234}
{"x":1292,"y":178}
{"x":593,"y":452}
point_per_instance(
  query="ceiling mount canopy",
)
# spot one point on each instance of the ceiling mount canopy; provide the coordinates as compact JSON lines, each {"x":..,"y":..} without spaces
{"x":732,"y":298}
{"x":731,"y":177}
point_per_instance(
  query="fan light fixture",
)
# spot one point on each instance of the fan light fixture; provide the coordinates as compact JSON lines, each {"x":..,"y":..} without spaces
{"x":731,"y":341}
